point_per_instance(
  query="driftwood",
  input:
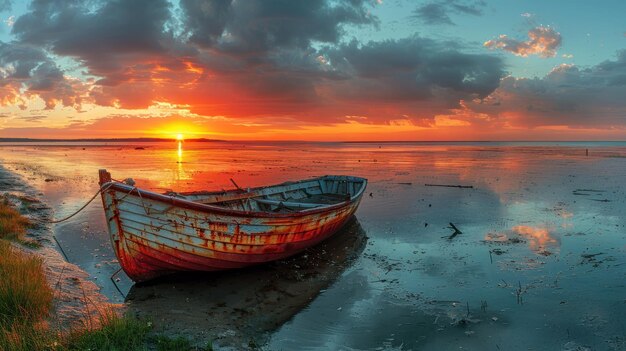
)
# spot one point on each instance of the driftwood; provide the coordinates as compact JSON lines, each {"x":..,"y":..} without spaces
{"x":456,"y":231}
{"x":601,"y":200}
{"x":452,"y":186}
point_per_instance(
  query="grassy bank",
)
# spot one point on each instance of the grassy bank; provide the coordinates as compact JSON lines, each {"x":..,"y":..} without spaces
{"x":122,"y":333}
{"x":26,"y":301}
{"x":13,"y":225}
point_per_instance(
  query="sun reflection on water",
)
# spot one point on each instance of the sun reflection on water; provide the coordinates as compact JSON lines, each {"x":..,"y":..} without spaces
{"x":180,"y":172}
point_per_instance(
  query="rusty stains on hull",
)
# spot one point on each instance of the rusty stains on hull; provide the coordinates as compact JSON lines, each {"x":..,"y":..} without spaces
{"x":154,"y":234}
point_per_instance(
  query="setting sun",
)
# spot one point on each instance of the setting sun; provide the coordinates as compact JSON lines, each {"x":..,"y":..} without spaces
{"x":328,"y":174}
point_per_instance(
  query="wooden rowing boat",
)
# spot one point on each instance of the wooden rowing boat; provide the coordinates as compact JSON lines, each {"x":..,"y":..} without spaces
{"x":156,"y":234}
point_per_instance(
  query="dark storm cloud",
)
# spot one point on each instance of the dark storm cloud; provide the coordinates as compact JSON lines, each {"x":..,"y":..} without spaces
{"x":262,"y":54}
{"x":206,"y":20}
{"x":414,"y":68}
{"x":568,"y":95}
{"x":23,"y":63}
{"x":263,"y":50}
{"x":105,"y":39}
{"x":417,"y":75}
{"x":24,"y":66}
{"x":265,"y":47}
{"x":71,"y":28}
{"x":20,"y":60}
{"x":128,"y":41}
{"x":259,"y":26}
{"x":45,"y":76}
{"x":438,"y":12}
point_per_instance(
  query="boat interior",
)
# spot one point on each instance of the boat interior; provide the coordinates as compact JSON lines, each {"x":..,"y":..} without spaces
{"x":285,"y":197}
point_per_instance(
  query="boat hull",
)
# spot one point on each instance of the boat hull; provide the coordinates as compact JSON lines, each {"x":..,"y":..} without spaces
{"x":155,"y":235}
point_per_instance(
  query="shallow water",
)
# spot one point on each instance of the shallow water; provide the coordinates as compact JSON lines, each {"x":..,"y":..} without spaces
{"x":540,"y":263}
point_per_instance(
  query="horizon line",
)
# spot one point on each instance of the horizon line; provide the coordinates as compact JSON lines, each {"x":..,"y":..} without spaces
{"x":151,"y":139}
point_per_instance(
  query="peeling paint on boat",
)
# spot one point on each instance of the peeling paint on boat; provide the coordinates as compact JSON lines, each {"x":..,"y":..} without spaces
{"x":155,"y":234}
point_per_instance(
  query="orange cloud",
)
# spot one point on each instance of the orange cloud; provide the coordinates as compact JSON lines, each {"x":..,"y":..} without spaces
{"x":224,"y":75}
{"x":542,"y":41}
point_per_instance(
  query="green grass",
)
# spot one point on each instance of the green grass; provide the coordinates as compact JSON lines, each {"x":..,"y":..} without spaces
{"x":25,"y":296}
{"x":167,"y":344}
{"x":26,"y":337}
{"x":13,"y":225}
{"x":24,"y":293}
{"x":26,"y":299}
{"x":125,"y":333}
{"x":115,"y":333}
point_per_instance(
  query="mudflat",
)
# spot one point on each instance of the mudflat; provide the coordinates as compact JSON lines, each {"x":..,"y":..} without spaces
{"x":517,"y":246}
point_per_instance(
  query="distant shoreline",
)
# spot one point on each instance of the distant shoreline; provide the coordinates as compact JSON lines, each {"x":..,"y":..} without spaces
{"x":92,"y":140}
{"x":202,"y":140}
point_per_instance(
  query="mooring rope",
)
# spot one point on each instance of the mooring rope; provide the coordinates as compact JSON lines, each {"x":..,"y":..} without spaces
{"x":140,"y":197}
{"x":115,"y":283}
{"x":78,"y":211}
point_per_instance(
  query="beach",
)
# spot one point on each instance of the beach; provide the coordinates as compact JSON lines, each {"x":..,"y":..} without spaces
{"x":77,"y":298}
{"x":539,"y":263}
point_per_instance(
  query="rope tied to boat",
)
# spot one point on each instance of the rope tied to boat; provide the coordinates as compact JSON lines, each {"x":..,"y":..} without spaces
{"x":131,"y":182}
{"x":79,"y":210}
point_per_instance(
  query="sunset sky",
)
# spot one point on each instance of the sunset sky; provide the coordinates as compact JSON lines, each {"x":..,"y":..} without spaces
{"x":314,"y":70}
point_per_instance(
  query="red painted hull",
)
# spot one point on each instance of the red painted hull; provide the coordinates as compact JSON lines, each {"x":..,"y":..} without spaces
{"x":155,"y":235}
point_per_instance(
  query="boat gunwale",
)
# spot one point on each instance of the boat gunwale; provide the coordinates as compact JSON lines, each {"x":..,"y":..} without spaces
{"x":209,"y":208}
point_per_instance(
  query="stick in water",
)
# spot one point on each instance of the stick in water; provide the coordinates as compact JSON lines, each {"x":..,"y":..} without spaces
{"x":237,"y":186}
{"x":452,"y":186}
{"x":456,"y":231}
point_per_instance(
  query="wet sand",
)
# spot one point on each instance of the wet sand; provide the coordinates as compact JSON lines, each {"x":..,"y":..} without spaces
{"x":540,"y":263}
{"x":77,"y":300}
